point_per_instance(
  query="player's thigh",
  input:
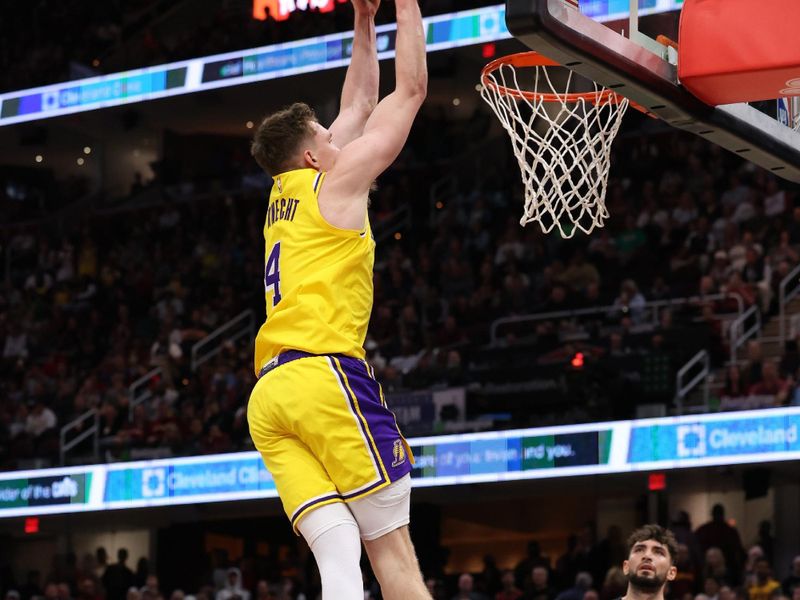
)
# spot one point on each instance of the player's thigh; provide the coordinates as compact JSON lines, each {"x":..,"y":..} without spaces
{"x":300,"y":478}
{"x":349,"y":428}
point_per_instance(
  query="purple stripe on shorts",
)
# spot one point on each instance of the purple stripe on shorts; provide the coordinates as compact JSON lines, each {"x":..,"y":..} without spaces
{"x":311,"y":503}
{"x":337,"y":362}
{"x":380,"y":420}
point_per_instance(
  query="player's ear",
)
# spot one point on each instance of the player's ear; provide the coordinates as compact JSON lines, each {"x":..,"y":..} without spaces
{"x":310,"y":160}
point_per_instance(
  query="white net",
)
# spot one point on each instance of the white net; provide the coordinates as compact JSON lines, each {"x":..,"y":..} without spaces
{"x":562,"y":142}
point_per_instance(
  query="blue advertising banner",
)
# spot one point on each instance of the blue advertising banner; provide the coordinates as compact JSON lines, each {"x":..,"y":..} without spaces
{"x":235,"y":475}
{"x":757,"y":437}
{"x":715,"y":437}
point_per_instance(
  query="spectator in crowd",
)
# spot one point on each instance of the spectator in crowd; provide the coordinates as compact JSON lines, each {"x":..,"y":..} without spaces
{"x":118,"y":577}
{"x":630,"y":301}
{"x":609,"y":552}
{"x":716,"y":566}
{"x":489,"y":580}
{"x":539,"y":587}
{"x":764,"y":585}
{"x":32,"y":586}
{"x":583,"y":583}
{"x":615,"y":584}
{"x":726,"y":593}
{"x":466,"y":585}
{"x":754,"y":362}
{"x":771,"y":384}
{"x":719,"y":534}
{"x":64,"y":591}
{"x":233,"y":589}
{"x":87,"y":590}
{"x":101,"y":562}
{"x":151,"y":588}
{"x":711,"y":588}
{"x":40,"y":419}
{"x":509,"y":590}
{"x":681,"y":527}
{"x":754,"y":554}
{"x":792,"y":582}
{"x":524,"y":568}
{"x":735,"y":386}
{"x":50,"y":591}
{"x":686,"y":579}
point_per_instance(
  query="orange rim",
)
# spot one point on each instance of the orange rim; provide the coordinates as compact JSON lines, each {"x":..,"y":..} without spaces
{"x":534,"y":59}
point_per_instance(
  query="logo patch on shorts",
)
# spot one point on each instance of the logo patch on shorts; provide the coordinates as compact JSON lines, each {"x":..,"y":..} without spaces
{"x":399,"y":453}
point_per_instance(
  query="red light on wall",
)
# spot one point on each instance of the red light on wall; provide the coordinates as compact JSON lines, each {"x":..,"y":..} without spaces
{"x":489,"y":50}
{"x":577,"y":360}
{"x":32,"y":525}
{"x":657,"y":482}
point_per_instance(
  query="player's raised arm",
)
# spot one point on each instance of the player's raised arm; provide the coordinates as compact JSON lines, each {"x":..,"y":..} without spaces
{"x":387,"y":128}
{"x":360,"y":90}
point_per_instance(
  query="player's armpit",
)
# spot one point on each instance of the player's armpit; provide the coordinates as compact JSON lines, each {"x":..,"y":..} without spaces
{"x":363,"y":160}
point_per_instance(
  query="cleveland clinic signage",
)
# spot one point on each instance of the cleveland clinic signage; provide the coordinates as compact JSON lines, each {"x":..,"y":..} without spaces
{"x":745,"y":437}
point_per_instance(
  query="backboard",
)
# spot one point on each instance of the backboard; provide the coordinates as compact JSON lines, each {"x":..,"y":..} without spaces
{"x":641,"y":70}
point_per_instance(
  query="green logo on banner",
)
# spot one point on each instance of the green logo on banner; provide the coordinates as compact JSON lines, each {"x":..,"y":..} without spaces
{"x":537,"y":452}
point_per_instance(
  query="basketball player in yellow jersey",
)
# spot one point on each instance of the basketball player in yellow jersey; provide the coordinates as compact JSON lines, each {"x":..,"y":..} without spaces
{"x":316,"y":414}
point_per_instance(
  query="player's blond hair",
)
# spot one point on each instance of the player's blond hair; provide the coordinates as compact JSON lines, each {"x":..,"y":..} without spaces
{"x":279,"y":136}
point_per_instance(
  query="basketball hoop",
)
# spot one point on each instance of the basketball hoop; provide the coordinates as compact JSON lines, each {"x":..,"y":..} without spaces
{"x":563,"y":147}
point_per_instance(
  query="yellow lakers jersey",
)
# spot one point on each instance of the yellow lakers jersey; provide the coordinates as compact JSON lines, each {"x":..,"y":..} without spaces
{"x":317,"y":277}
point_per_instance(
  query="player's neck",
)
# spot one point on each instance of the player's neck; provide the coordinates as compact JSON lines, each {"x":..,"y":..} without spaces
{"x":637,"y":594}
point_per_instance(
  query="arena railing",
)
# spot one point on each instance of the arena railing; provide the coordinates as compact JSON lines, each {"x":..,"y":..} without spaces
{"x":652,"y":309}
{"x":239,"y":326}
{"x":788,"y":290}
{"x":794,"y":326}
{"x":738,"y":336}
{"x":683,"y":388}
{"x":92,"y":431}
{"x":139,"y":390}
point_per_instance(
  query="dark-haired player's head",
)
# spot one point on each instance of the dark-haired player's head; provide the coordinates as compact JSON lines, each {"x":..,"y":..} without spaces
{"x":652,"y":551}
{"x":292,"y":138}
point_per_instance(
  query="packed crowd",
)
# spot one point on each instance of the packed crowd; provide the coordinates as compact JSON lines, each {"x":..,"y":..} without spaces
{"x":711,"y":561}
{"x":98,"y":310}
{"x":83,"y":315}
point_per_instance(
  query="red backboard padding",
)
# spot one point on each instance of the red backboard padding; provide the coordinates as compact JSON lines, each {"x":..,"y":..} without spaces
{"x":739,"y":50}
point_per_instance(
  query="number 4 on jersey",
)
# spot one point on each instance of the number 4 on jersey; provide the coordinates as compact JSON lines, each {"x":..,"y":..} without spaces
{"x":272,"y":273}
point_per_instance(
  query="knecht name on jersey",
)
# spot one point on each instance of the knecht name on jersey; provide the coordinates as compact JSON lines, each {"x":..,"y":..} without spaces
{"x":283,"y":209}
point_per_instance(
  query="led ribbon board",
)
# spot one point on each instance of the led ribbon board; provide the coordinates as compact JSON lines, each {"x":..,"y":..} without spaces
{"x":592,"y":449}
{"x":452,"y":30}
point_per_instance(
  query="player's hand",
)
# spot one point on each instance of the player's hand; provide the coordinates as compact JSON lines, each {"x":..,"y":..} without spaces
{"x":368,"y":7}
